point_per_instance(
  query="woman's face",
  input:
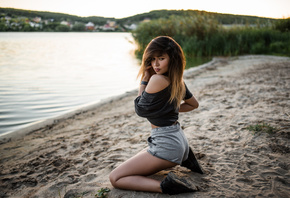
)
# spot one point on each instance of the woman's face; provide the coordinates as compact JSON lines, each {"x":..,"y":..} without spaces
{"x":160,"y":63}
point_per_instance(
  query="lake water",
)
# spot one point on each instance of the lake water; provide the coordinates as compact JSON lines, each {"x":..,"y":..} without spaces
{"x":43,"y":75}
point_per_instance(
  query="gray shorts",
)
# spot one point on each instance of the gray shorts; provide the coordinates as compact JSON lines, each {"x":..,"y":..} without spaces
{"x":168,"y":143}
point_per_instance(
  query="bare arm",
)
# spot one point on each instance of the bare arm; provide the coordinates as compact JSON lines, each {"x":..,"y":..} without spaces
{"x":189,"y":105}
{"x":141,"y":89}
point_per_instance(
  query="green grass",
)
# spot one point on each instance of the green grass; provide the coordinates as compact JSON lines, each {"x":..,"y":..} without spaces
{"x":262,"y":128}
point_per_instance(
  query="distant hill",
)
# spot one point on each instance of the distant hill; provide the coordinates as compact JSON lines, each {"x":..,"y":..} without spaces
{"x":221,"y":18}
{"x":13,"y":13}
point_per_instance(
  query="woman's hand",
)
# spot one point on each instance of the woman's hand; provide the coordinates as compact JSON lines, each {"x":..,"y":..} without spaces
{"x":148,"y":73}
{"x":189,"y":105}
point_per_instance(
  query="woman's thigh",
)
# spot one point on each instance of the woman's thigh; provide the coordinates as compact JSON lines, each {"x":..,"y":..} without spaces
{"x":142,"y":164}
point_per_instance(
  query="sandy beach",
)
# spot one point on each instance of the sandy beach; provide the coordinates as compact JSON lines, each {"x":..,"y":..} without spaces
{"x":72,"y":156}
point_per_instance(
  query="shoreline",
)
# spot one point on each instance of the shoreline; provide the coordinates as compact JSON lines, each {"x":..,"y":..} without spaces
{"x":74,"y":156}
{"x":20,"y":133}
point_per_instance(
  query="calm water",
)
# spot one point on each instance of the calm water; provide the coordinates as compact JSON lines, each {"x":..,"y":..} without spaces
{"x":43,"y":75}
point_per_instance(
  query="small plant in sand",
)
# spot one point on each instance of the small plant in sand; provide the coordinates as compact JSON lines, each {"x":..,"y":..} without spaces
{"x":262,"y":128}
{"x":102,"y":193}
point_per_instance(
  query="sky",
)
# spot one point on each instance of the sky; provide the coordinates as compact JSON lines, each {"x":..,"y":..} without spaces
{"x":126,"y":8}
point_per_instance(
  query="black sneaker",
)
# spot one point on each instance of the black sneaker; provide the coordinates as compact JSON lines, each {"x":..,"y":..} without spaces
{"x":173,"y":185}
{"x":192,"y":163}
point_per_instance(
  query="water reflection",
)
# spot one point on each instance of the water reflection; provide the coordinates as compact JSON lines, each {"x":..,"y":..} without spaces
{"x":47,"y":74}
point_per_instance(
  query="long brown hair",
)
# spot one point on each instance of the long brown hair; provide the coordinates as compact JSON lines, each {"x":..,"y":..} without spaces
{"x":161,"y":45}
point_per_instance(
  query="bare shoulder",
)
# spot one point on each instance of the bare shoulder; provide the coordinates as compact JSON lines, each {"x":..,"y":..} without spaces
{"x":157,"y":83}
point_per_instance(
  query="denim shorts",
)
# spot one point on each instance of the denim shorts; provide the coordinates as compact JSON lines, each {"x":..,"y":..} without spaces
{"x":168,"y":143}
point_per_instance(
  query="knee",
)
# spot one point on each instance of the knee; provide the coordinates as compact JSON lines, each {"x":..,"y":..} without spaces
{"x":113,"y":179}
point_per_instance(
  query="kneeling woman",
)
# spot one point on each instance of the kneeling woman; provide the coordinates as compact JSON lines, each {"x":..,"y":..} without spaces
{"x":160,"y":97}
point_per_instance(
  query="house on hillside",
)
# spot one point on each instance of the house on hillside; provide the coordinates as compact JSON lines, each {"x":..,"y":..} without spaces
{"x":35,"y":25}
{"x":66,"y":23}
{"x":37,"y":19}
{"x":109,"y":26}
{"x":112,"y":23}
{"x":90,"y":26}
{"x":7,"y":18}
{"x":133,"y":26}
{"x":47,"y":21}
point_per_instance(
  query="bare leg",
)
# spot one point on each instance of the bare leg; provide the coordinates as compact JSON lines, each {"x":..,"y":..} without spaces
{"x":131,"y":175}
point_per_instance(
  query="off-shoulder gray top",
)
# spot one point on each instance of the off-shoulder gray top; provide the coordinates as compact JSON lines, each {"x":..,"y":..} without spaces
{"x":157,"y":108}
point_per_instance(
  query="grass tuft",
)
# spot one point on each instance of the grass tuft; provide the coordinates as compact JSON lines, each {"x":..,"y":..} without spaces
{"x":102,"y":193}
{"x":262,"y":128}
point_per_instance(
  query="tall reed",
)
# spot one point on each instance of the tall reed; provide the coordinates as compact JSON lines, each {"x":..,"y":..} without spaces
{"x":201,"y":36}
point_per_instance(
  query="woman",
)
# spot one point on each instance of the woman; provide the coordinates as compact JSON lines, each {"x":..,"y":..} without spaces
{"x":160,"y":100}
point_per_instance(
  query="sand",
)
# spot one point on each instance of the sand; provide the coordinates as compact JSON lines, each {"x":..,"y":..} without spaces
{"x":72,"y":156}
